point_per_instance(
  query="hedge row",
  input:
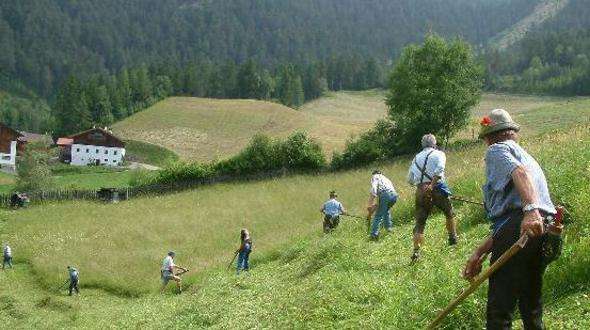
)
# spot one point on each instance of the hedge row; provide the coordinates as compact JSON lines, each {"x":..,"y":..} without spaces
{"x":297,"y":153}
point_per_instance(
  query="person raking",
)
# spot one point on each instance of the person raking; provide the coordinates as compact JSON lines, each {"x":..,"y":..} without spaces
{"x":427,"y":174}
{"x":244,"y":251}
{"x":517,"y":201}
{"x":332,"y":210}
{"x":167,"y":272}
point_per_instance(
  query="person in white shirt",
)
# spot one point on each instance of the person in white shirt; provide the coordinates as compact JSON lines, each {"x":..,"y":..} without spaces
{"x":427,"y":174}
{"x":332,"y":209}
{"x":7,"y":256}
{"x":167,"y":272}
{"x":382,"y":190}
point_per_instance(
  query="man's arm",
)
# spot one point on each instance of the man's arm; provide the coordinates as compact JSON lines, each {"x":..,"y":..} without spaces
{"x":179,"y":267}
{"x":532,"y":222}
{"x":473,"y":266}
{"x":371,"y":203}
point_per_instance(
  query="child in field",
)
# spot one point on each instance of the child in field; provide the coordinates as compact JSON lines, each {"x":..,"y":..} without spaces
{"x":244,"y":251}
{"x":7,"y":256}
{"x":332,"y":209}
{"x":167,"y":272}
{"x":74,"y":276}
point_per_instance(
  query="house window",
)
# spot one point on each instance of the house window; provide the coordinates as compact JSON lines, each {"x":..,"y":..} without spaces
{"x":106,"y":160}
{"x":114,"y":161}
{"x":115,"y":152}
{"x":77,"y":149}
{"x":87,"y":150}
{"x":96,"y":150}
{"x":106,"y":152}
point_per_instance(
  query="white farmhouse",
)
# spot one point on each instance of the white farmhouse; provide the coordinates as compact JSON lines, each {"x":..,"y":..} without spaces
{"x":96,"y":147}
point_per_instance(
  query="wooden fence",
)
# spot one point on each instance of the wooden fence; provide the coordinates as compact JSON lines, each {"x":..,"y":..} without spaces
{"x":127,"y":193}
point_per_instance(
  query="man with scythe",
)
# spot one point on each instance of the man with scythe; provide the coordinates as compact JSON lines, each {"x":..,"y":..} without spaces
{"x":167,"y":272}
{"x":517,"y":200}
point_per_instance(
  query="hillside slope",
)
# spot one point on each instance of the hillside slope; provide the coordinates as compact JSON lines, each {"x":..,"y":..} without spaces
{"x":209,"y":129}
{"x":42,"y":42}
{"x":339,"y":280}
{"x":543,"y":11}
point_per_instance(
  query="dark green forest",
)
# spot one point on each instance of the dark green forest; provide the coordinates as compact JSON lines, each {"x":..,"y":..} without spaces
{"x":553,"y":59}
{"x":100,"y":61}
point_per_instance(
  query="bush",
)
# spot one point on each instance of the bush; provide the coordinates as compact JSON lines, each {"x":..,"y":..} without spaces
{"x":33,"y":171}
{"x":183,"y":172}
{"x":378,"y":143}
{"x":259,"y":156}
{"x":299,"y":152}
{"x":263,"y":154}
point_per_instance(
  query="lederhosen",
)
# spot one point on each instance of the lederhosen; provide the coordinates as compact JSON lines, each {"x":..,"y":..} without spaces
{"x":424,"y":203}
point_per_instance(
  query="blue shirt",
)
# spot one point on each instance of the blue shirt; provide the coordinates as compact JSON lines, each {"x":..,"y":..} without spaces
{"x":500,"y":195}
{"x":333,"y":207}
{"x":73,"y":274}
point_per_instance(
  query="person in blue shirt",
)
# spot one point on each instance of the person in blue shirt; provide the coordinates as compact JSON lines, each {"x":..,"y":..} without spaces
{"x":517,"y":201}
{"x":332,"y":210}
{"x":74,"y":280}
{"x":244,"y":251}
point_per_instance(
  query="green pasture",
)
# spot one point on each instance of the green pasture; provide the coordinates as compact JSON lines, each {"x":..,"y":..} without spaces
{"x":300,"y":277}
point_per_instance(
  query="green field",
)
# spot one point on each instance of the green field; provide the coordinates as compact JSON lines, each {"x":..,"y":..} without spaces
{"x":207,"y":129}
{"x":300,"y":278}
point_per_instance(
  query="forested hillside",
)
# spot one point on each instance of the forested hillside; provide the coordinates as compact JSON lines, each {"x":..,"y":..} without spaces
{"x":44,"y":41}
{"x":552,"y":59}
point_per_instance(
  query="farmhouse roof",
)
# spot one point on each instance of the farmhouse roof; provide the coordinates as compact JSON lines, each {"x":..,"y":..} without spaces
{"x":97,"y":137}
{"x":65,"y":142}
{"x":12,"y":131}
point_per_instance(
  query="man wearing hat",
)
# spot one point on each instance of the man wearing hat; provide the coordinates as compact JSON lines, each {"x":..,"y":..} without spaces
{"x":332,"y":209}
{"x":427,"y":174}
{"x":167,"y":272}
{"x":517,"y":200}
{"x":382,"y":190}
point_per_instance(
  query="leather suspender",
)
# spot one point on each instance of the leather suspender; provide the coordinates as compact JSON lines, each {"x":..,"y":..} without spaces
{"x":423,"y":169}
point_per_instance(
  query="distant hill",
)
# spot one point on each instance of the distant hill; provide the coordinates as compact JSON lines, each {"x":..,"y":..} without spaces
{"x":208,"y":129}
{"x":43,"y":41}
{"x":546,"y":53}
{"x":542,"y":12}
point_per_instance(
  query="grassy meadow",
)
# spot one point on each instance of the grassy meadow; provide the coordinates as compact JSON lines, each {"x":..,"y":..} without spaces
{"x":300,"y":277}
{"x":207,"y":129}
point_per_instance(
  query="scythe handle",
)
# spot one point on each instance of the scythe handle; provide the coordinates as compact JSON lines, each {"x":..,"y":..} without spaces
{"x":519,"y":245}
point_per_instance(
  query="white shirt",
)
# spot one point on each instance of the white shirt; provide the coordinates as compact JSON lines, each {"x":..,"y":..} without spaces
{"x":380,"y":183}
{"x":435,"y":167}
{"x":168,"y":264}
{"x":7,"y":251}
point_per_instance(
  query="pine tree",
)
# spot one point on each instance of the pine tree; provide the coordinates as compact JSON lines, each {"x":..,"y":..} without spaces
{"x":249,"y":81}
{"x":71,"y":110}
{"x":102,"y":108}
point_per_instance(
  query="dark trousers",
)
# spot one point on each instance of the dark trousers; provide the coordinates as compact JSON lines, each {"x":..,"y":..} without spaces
{"x":74,"y":286}
{"x":330,"y":222}
{"x":520,"y":280}
{"x":6,"y":261}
